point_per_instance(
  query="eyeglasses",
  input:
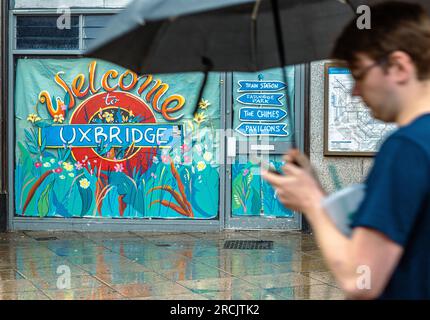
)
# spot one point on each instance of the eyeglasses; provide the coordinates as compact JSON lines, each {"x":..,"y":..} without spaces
{"x":358,"y":76}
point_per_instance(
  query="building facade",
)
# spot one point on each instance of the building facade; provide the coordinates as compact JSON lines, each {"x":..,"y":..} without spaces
{"x":91,"y":146}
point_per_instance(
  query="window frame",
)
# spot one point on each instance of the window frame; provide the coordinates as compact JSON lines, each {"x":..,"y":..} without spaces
{"x":16,"y":223}
{"x":81,"y":13}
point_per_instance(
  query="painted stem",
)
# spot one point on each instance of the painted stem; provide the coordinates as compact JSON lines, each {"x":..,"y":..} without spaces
{"x":122,"y":205}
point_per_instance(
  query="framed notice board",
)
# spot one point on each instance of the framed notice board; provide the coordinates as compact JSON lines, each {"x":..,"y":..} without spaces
{"x":349,"y":128}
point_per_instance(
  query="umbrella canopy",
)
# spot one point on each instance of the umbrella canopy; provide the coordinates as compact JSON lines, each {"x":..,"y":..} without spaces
{"x":159,"y":36}
{"x":166,"y":36}
{"x":174,"y":36}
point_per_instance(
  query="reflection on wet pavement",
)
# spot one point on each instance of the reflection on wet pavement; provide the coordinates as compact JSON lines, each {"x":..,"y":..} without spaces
{"x":142,"y":265}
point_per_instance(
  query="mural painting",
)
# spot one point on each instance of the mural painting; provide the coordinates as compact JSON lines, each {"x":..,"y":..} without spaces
{"x":96,"y":140}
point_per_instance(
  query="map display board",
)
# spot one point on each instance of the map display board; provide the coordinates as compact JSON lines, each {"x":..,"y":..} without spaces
{"x":349,"y":128}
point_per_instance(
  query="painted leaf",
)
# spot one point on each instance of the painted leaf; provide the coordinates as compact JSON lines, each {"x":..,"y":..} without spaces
{"x":249,"y":178}
{"x":28,"y":135}
{"x":236,"y":201}
{"x":66,"y":155}
{"x":86,"y":198}
{"x":43,"y":203}
{"x":32,"y":148}
{"x":43,"y":146}
{"x":255,"y":202}
{"x":60,"y":207}
{"x":67,"y":100}
{"x":26,"y":158}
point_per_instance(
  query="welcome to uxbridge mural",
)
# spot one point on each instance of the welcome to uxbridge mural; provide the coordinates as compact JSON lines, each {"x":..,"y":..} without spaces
{"x":96,"y":140}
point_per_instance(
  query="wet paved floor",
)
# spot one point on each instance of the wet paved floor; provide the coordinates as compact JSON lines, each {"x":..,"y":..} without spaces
{"x":182,"y":266}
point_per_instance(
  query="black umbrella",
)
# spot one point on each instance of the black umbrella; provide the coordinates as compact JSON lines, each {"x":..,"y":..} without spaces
{"x":169,"y":36}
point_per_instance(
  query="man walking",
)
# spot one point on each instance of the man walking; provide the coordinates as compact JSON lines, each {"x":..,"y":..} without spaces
{"x":391,"y":229}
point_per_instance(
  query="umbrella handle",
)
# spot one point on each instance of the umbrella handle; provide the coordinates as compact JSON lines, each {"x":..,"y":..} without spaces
{"x":208,"y":67}
{"x":281,"y":53}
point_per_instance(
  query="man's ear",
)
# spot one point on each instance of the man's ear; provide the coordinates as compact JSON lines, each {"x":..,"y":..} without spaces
{"x":401,"y":67}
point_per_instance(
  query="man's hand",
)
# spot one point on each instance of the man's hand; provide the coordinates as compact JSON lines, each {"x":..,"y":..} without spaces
{"x":296,"y":157}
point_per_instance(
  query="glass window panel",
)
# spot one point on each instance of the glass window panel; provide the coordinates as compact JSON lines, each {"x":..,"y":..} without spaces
{"x":42,"y":32}
{"x":93,"y":24}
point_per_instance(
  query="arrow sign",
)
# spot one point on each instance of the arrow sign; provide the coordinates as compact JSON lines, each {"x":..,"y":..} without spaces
{"x":267,"y":86}
{"x":261,"y":114}
{"x":261,"y":99}
{"x":262,"y":129}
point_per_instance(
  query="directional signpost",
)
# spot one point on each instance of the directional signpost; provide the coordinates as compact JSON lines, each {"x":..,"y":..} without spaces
{"x":262,"y":129}
{"x":261,"y":99}
{"x":261,"y":114}
{"x":266,"y":86}
{"x":268,"y":113}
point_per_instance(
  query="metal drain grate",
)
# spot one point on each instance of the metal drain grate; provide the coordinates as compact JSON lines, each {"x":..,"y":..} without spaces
{"x":162,"y":245}
{"x":46,"y":238}
{"x":248,"y":244}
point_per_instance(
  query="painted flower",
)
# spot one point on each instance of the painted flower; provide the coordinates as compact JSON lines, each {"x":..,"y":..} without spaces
{"x":78,"y":165}
{"x":52,"y":160}
{"x":201,"y":166}
{"x":203,"y":104}
{"x":155,"y":159}
{"x":58,"y":118}
{"x":32,"y":117}
{"x":68,"y":166}
{"x":199,"y":118}
{"x":165,"y":159}
{"x":207,"y":156}
{"x":84,"y":183}
{"x":108,"y":117}
{"x":58,"y":170}
{"x":153,"y":175}
{"x":71,"y":174}
{"x":177,"y":159}
{"x":185,"y":148}
{"x":47,"y":164}
{"x":187,"y":159}
{"x":119,"y":167}
{"x":245,"y":172}
{"x":38,"y":164}
{"x":62,"y":177}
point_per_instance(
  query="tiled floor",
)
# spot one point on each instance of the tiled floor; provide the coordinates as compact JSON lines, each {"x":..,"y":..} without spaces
{"x":161,"y":266}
